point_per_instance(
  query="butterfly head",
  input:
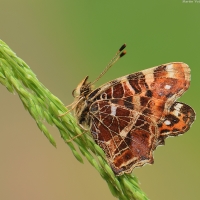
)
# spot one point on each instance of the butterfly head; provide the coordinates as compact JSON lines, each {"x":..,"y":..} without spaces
{"x":80,"y":94}
{"x":83,"y":89}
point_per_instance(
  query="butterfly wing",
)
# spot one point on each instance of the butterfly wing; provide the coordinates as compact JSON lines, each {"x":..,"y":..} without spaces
{"x":153,"y":89}
{"x":126,"y":136}
{"x":177,"y":121}
{"x":128,"y":114}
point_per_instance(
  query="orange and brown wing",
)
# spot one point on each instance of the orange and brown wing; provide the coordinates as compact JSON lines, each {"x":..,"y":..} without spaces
{"x":177,"y":121}
{"x":126,"y":136}
{"x":128,"y":115}
{"x":152,"y":91}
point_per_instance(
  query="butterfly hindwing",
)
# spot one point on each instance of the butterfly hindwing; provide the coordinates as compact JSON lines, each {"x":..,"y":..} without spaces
{"x":126,"y":135}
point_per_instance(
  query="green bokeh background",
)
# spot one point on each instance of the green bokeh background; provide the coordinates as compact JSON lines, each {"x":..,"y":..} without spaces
{"x":63,"y":41}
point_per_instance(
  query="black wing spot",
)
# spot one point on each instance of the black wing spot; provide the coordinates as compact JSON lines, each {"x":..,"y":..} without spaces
{"x":128,"y":105}
{"x":92,"y":94}
{"x":149,"y":93}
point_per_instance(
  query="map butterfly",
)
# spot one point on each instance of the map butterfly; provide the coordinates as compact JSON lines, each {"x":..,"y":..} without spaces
{"x":131,"y":115}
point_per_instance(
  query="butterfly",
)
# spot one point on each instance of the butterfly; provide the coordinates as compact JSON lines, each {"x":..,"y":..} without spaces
{"x":131,"y":115}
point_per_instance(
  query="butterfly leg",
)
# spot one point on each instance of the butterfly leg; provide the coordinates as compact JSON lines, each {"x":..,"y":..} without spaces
{"x":84,"y":131}
{"x":72,"y":139}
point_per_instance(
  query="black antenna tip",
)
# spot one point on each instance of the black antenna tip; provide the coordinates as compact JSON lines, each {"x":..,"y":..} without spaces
{"x":122,"y":54}
{"x":122,"y":47}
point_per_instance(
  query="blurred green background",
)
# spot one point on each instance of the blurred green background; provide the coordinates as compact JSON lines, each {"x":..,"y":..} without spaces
{"x":62,"y":42}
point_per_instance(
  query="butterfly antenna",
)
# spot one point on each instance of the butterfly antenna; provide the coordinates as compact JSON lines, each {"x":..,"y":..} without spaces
{"x":120,"y":53}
